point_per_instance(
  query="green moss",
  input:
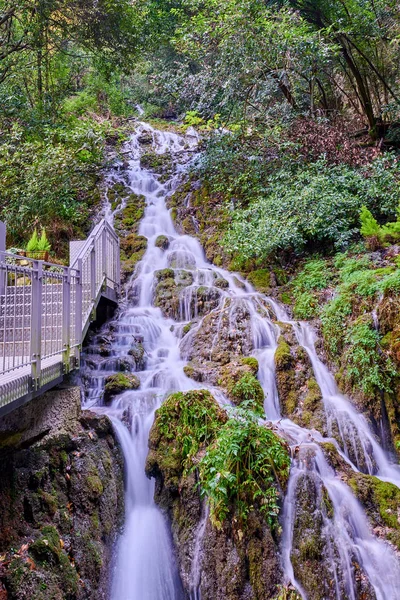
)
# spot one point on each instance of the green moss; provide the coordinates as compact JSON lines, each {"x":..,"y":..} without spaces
{"x":47,"y":548}
{"x":162,"y":242}
{"x":382,"y":500}
{"x":314,"y":396}
{"x":251,"y":362}
{"x":187,"y":328}
{"x":285,"y":376}
{"x":133,"y":244}
{"x":261,"y":280}
{"x":9,"y":440}
{"x":248,"y":389}
{"x":128,"y":218}
{"x":95,"y":485}
{"x":120,"y":382}
{"x":283,"y":355}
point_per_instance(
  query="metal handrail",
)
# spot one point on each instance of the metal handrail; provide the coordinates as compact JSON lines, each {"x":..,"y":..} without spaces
{"x":45,"y":310}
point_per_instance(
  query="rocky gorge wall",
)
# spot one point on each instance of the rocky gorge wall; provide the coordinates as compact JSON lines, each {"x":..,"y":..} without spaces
{"x":61,"y":500}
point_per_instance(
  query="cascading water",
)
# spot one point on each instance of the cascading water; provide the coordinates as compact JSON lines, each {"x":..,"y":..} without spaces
{"x":145,"y":568}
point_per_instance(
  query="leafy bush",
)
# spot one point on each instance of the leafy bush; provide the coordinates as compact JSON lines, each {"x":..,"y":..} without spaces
{"x":243,"y":469}
{"x":49,"y":178}
{"x":378,"y":235}
{"x":365,"y":365}
{"x":314,"y":276}
{"x":33,"y":243}
{"x":191,"y":420}
{"x":43,"y":245}
{"x":300,"y":207}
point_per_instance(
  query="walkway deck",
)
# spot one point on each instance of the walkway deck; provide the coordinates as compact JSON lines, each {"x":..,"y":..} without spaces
{"x":45,"y":311}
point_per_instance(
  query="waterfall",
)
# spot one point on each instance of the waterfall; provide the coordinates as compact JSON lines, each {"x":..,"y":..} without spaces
{"x":145,"y":567}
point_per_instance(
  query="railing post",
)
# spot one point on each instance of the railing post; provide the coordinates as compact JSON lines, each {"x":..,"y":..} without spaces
{"x":2,"y":249}
{"x":118,"y":268}
{"x":66,"y":318}
{"x":36,"y":322}
{"x":104,"y":254}
{"x":78,"y":309}
{"x":93,"y":273}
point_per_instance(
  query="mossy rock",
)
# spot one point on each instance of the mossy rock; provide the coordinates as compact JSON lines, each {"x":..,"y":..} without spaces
{"x":133,"y":243}
{"x":313,"y":415}
{"x":162,"y":242}
{"x":185,"y":423}
{"x":164,"y":274}
{"x":128,"y":219}
{"x":47,"y":548}
{"x":251,"y":362}
{"x":118,"y":383}
{"x":285,"y":376}
{"x":261,"y":280}
{"x":221,"y":283}
{"x":240,"y":383}
{"x":381,"y":500}
{"x":187,"y":328}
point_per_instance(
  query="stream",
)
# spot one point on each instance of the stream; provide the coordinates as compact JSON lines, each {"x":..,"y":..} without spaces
{"x":145,"y":567}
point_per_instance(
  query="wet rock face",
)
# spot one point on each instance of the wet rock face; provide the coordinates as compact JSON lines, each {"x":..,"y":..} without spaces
{"x":61,"y":500}
{"x":121,"y":382}
{"x":178,"y":298}
{"x":223,"y":336}
{"x":299,"y":393}
{"x":237,"y":563}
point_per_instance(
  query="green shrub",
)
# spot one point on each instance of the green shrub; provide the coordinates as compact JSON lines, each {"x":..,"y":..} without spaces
{"x":243,"y":469}
{"x":33,"y":244}
{"x":369,"y":225}
{"x":43,"y":244}
{"x":191,"y":420}
{"x":366,"y":366}
{"x":301,"y":207}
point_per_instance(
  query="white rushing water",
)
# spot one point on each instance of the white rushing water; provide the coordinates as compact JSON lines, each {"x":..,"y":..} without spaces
{"x":145,"y":568}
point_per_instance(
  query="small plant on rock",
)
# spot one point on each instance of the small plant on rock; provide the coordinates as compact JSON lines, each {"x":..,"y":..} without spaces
{"x":244,"y":469}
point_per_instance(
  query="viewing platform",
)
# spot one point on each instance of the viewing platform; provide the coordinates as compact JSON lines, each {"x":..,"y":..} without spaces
{"x":46,"y":310}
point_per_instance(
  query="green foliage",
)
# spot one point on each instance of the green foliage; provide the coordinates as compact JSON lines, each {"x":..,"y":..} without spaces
{"x":366,"y":367}
{"x":378,"y":235}
{"x":193,"y":119}
{"x":369,"y":225}
{"x":334,"y":316}
{"x":249,"y":390}
{"x":49,"y":178}
{"x":306,"y":305}
{"x":191,"y":420}
{"x":307,"y":207}
{"x":33,"y":243}
{"x":43,"y":244}
{"x":315,"y":275}
{"x":243,"y":468}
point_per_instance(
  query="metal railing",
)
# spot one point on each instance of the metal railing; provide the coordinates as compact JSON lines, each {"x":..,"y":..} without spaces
{"x":46,"y":309}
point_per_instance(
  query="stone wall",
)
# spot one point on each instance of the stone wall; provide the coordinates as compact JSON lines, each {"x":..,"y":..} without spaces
{"x":61,"y":500}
